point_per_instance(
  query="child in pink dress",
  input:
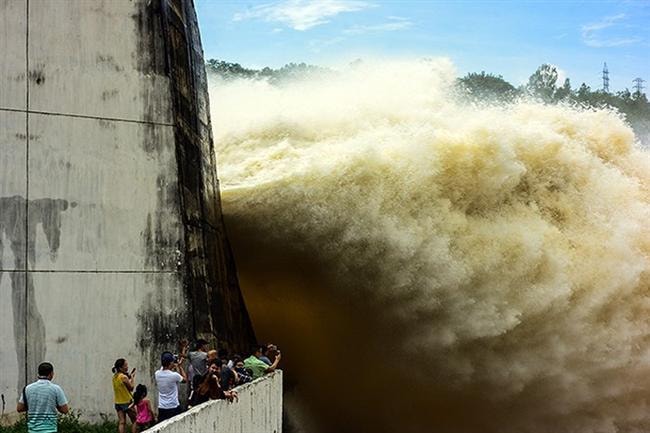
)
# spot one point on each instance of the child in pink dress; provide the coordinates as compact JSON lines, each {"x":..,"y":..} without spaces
{"x":144,"y":415}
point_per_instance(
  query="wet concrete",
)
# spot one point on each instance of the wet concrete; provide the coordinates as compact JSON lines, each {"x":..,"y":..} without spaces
{"x":144,"y":260}
{"x":210,"y":278}
{"x":19,"y":221}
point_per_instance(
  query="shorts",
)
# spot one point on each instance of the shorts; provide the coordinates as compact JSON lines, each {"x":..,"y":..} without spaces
{"x":124,"y":407}
{"x":164,"y":414}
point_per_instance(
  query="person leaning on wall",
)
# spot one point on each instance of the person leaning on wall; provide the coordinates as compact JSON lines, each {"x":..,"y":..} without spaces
{"x":258,"y":367}
{"x":42,"y":400}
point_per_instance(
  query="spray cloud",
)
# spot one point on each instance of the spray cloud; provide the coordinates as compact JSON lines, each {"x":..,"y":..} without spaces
{"x":432,"y":266}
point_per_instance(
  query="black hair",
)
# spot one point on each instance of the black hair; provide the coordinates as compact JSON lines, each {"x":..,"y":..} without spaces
{"x":196,"y":381}
{"x":45,"y":369}
{"x":223,"y":353}
{"x":118,"y":365}
{"x":226,"y":377}
{"x":140,"y":393}
{"x":257,"y":347}
{"x":200,"y":343}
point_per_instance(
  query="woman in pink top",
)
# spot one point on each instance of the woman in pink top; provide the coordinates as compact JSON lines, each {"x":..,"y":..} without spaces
{"x":144,"y":415}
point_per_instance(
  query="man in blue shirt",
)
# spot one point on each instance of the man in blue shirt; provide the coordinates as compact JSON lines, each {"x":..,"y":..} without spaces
{"x":41,"y":400}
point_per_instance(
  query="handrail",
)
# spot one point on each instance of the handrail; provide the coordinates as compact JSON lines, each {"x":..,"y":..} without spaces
{"x":258,"y":410}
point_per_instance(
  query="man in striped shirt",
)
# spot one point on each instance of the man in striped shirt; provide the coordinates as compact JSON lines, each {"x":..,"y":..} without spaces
{"x":41,"y":400}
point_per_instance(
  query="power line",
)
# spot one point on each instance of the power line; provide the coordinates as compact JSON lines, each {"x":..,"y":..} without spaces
{"x":638,"y":84}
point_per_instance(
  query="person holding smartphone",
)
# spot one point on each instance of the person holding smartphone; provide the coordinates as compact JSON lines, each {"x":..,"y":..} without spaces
{"x":170,"y":375}
{"x":123,"y":384}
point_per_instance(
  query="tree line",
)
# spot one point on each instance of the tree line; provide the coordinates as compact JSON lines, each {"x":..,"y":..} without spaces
{"x":288,"y":72}
{"x":542,"y":85}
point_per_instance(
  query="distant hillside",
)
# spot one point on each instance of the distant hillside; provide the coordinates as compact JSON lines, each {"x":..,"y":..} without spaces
{"x":289,"y":72}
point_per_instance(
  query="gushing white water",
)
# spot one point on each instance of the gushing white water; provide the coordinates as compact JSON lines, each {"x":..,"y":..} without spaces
{"x":432,"y":266}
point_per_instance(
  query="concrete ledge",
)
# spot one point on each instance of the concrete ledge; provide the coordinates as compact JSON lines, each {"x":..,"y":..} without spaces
{"x":259,"y":410}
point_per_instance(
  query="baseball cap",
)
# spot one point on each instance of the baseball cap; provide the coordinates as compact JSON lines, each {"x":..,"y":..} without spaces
{"x":167,"y":358}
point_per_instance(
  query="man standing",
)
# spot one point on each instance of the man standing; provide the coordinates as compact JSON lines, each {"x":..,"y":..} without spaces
{"x":167,"y":380}
{"x":41,"y":400}
{"x":259,"y":367}
{"x":198,"y":358}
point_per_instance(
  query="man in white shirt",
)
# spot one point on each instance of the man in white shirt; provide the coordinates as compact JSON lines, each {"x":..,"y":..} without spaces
{"x":167,"y":380}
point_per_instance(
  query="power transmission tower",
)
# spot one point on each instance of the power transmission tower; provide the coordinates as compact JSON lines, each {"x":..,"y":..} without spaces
{"x":605,"y":78}
{"x":638,"y":85}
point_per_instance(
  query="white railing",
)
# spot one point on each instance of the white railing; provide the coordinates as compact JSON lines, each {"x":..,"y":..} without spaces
{"x":259,"y":410}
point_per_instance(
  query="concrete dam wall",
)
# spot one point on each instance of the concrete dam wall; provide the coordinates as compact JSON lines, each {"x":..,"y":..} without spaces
{"x":112,"y":242}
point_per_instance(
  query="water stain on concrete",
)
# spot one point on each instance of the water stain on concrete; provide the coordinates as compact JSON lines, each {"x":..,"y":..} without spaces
{"x":106,"y":124}
{"x":22,"y":136}
{"x":108,"y":94}
{"x":19,"y":221}
{"x":109,"y":61}
{"x":150,"y":59}
{"x":150,"y":56}
{"x":37,"y":75}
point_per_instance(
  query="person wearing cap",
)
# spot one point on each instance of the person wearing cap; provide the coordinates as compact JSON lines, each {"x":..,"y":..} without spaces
{"x":41,"y":400}
{"x":167,"y":380}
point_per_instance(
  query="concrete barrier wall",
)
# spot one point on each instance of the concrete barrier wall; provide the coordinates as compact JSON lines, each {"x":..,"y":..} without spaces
{"x":259,"y":410}
{"x":111,"y":236}
{"x":91,"y":230}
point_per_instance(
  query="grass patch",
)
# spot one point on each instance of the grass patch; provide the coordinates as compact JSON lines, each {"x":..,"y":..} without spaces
{"x":69,"y":423}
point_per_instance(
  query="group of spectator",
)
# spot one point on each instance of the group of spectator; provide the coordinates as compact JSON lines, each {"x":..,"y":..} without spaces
{"x":211,"y":375}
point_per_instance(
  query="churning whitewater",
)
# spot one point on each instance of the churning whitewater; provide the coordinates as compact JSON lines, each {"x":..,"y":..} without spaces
{"x":428,"y":265}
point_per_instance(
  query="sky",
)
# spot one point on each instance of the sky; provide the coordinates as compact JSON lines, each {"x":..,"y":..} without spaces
{"x":502,"y":37}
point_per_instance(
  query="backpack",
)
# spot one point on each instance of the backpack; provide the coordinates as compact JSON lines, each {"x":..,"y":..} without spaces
{"x":25,"y":399}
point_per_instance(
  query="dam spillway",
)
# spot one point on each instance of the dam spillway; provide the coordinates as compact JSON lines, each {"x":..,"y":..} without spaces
{"x":459,"y":259}
{"x":112,"y":241}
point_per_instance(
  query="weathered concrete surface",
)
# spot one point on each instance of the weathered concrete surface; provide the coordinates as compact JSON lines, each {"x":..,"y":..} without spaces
{"x":114,"y":41}
{"x":103,"y":319}
{"x":113,"y":174}
{"x":8,"y":349}
{"x":259,"y":410}
{"x":13,"y":172}
{"x":111,"y":236}
{"x":214,"y":288}
{"x":13,"y":21}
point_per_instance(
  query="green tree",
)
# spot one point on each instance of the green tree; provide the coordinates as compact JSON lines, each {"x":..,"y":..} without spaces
{"x":634,"y":106}
{"x":487,"y":87}
{"x":229,"y":70}
{"x":564,"y":92}
{"x":542,"y":83}
{"x":291,"y":71}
